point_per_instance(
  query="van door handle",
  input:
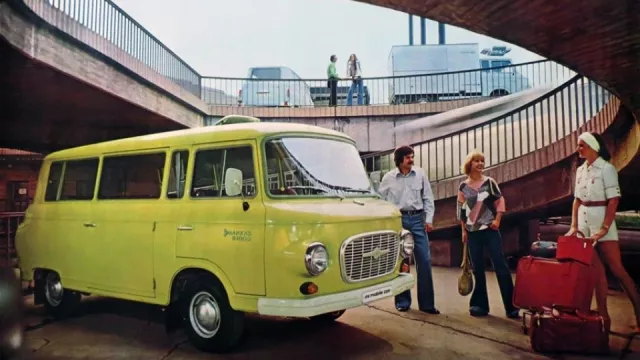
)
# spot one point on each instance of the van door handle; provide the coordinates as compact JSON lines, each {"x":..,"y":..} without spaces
{"x":185,"y":228}
{"x":87,"y":224}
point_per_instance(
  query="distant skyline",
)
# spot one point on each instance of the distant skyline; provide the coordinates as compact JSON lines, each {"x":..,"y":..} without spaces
{"x":225,"y":38}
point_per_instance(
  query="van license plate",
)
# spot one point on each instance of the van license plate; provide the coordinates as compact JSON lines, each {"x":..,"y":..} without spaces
{"x":376,"y":294}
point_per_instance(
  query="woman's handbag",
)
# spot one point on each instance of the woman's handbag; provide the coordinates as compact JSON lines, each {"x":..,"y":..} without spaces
{"x":465,"y":281}
{"x":575,"y":248}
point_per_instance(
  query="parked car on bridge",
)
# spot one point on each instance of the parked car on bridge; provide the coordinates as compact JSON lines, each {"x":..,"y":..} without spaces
{"x":214,"y":222}
{"x":274,"y":86}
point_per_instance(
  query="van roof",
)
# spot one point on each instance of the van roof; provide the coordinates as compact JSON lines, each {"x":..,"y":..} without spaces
{"x":229,"y":132}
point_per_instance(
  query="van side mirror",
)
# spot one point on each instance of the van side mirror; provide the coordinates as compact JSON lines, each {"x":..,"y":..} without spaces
{"x":375,"y":177}
{"x":233,"y":182}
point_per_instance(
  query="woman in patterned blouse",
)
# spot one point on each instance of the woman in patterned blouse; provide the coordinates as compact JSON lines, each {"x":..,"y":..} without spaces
{"x":480,"y":209}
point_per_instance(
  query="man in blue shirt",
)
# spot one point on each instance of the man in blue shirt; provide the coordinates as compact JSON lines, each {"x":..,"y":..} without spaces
{"x":409,"y":189}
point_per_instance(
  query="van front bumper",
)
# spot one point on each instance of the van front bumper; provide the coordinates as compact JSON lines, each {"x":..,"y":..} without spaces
{"x":335,"y":302}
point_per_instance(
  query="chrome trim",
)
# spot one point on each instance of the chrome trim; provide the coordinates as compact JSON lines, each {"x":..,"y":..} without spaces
{"x":343,"y":247}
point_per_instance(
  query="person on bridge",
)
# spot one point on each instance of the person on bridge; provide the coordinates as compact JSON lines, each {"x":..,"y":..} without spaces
{"x":332,"y":80}
{"x":355,"y":73}
{"x":596,"y":198}
{"x":408,"y":188}
{"x":480,"y":209}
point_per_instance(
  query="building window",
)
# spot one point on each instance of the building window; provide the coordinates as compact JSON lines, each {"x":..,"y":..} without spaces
{"x":132,"y":176}
{"x":177,"y":174}
{"x":79,"y":180}
{"x":211,"y":165}
{"x":55,"y":171}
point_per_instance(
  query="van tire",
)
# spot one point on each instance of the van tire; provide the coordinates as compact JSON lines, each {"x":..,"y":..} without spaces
{"x":225,"y":332}
{"x":328,"y":317}
{"x":58,"y":301}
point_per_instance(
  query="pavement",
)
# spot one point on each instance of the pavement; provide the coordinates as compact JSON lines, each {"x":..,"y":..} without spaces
{"x":114,"y":329}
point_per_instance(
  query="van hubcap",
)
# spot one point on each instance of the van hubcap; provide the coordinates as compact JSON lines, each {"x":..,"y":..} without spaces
{"x":204,"y":314}
{"x":53,"y":289}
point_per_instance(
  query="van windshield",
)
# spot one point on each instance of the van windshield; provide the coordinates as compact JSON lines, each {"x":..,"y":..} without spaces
{"x":299,"y":166}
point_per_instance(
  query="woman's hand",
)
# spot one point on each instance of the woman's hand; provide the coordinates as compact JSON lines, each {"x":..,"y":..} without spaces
{"x":464,"y":236}
{"x":599,"y":235}
{"x":572,"y":230}
{"x":495,"y":224}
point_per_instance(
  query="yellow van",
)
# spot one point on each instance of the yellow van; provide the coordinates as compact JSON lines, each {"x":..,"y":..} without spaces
{"x":214,"y":222}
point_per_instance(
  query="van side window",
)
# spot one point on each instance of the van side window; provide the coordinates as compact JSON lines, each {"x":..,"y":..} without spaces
{"x":210,"y":166}
{"x":79,"y":180}
{"x":132,"y":176}
{"x":55,"y":171}
{"x":178,"y":174}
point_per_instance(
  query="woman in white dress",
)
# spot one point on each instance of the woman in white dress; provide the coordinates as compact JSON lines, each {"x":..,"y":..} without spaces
{"x":597,"y":194}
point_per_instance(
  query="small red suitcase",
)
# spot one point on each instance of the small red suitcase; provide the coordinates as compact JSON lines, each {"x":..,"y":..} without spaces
{"x":575,"y":248}
{"x":570,"y":331}
{"x":547,"y":282}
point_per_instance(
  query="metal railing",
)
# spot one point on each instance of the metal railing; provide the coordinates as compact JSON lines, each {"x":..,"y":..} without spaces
{"x":9,"y":222}
{"x":265,"y":87}
{"x":514,"y":134}
{"x":109,"y":21}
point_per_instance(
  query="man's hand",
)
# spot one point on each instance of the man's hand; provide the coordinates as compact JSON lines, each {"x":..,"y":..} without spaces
{"x":428,"y":227}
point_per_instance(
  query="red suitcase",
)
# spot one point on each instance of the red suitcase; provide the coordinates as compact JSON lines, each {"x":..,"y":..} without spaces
{"x":547,"y":282}
{"x":575,"y":248}
{"x":570,"y":331}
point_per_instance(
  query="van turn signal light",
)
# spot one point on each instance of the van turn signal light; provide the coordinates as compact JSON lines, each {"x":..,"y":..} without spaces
{"x":308,"y":288}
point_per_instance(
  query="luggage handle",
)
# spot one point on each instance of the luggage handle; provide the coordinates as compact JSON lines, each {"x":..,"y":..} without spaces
{"x":578,"y":313}
{"x":585,"y":240}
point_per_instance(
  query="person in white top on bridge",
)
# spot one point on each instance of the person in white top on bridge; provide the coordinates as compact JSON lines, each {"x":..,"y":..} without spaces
{"x":597,"y":194}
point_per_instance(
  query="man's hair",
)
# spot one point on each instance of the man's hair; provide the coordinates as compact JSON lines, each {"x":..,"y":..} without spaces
{"x":400,"y":153}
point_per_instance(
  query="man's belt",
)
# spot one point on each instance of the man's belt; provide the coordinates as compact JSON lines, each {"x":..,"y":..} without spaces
{"x":411,"y":212}
{"x":594,"y":203}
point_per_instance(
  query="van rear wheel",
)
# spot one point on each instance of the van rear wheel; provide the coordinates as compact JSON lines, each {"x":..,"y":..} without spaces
{"x":58,"y":301}
{"x":210,"y":322}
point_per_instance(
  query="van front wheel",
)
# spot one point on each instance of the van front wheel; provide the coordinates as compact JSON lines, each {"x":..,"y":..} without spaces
{"x":210,"y":322}
{"x":58,"y":301}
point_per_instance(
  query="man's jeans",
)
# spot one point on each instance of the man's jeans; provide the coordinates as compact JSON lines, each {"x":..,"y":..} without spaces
{"x":415,"y":224}
{"x":359,"y":83}
{"x":492,"y":240}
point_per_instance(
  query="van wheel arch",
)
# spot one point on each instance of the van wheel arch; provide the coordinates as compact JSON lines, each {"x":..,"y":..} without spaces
{"x":68,"y":302}
{"x":198,"y":282}
{"x":179,"y":285}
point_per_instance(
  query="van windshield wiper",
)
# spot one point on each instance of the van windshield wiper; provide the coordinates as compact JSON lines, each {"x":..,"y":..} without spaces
{"x":362,"y":191}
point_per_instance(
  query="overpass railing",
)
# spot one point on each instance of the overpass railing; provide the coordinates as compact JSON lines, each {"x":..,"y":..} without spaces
{"x":110,"y":22}
{"x":516,"y":133}
{"x":280,"y":86}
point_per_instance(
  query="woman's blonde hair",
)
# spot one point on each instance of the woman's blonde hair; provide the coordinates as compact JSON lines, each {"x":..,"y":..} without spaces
{"x":473,"y":155}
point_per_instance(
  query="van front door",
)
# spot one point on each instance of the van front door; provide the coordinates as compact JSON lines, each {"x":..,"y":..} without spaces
{"x":126,"y":214}
{"x":217,"y":228}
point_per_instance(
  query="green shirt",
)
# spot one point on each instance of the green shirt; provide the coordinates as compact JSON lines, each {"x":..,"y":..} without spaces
{"x":331,"y":71}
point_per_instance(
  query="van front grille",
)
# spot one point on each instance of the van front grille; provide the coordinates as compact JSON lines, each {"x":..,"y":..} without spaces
{"x":368,"y":256}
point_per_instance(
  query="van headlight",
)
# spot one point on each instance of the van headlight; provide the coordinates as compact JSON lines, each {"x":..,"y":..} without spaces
{"x":406,"y":243}
{"x":316,"y":259}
